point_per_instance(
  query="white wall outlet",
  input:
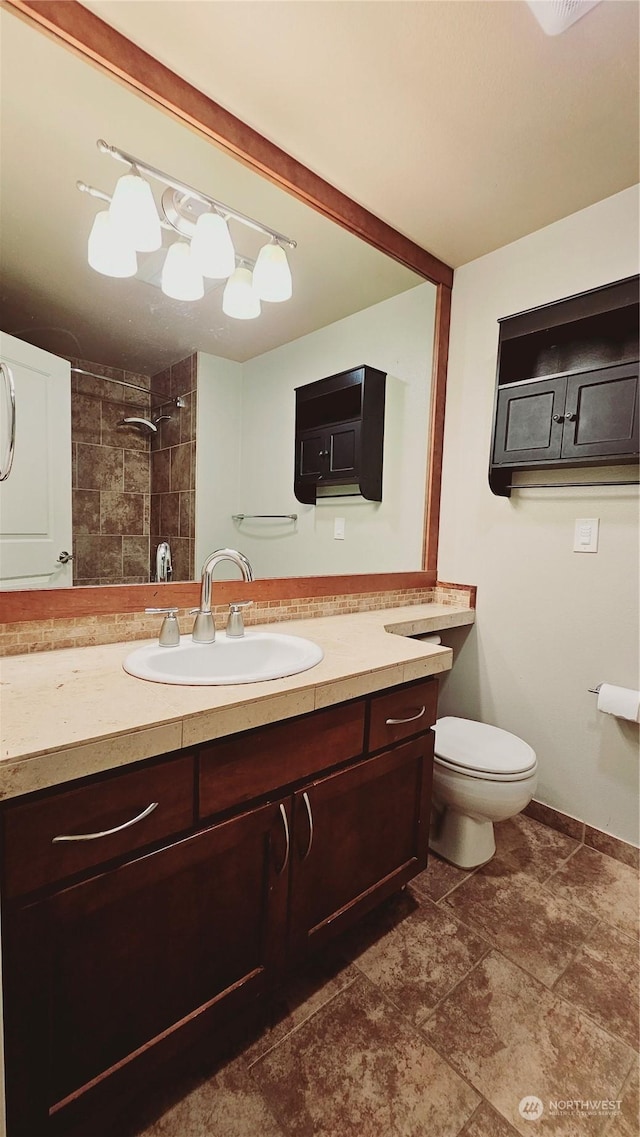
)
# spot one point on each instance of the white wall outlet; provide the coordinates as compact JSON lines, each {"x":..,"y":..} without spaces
{"x":338,"y":529}
{"x":585,"y":537}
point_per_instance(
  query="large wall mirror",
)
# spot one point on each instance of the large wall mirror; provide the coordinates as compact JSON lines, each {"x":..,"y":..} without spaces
{"x":209,"y":461}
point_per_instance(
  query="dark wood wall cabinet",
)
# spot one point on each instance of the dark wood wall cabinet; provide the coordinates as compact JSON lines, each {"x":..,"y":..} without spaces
{"x":124,"y":951}
{"x":340,"y":435}
{"x":567,"y":385}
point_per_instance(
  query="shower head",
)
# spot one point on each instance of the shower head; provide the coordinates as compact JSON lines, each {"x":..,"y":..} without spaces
{"x":141,"y":422}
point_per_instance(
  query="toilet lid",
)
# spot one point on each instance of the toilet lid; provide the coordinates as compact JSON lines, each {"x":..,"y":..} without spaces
{"x":472,"y":745}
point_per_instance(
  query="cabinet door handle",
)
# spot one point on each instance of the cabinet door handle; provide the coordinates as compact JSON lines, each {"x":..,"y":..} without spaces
{"x":107,"y":832}
{"x":11,"y":399}
{"x":285,"y":826}
{"x":570,"y":417}
{"x":413,"y":718}
{"x":558,"y":418}
{"x":305,"y":798}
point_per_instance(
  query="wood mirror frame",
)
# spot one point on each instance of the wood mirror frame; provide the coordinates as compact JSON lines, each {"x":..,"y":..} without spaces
{"x":80,"y":29}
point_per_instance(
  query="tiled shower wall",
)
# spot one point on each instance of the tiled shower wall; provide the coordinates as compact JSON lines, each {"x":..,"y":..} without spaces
{"x":173,"y":467}
{"x":131,"y":488}
{"x":111,"y":478}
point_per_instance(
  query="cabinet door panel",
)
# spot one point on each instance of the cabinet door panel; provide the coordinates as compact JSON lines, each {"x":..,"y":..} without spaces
{"x":344,"y":450}
{"x":604,"y":413}
{"x":526,"y":430}
{"x":359,"y":835}
{"x":131,"y":953}
{"x":311,"y":459}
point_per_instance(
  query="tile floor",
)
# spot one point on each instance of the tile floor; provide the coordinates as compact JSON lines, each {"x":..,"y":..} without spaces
{"x":454,"y":1000}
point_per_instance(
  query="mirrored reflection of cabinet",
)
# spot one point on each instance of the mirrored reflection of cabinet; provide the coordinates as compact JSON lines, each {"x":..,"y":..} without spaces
{"x":567,"y":386}
{"x":340,"y":435}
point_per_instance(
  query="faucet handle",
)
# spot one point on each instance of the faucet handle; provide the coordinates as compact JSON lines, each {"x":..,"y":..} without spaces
{"x":204,"y":629}
{"x":170,"y":629}
{"x":235,"y":623}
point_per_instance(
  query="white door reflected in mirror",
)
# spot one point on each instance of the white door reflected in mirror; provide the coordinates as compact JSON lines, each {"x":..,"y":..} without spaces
{"x":35,"y":499}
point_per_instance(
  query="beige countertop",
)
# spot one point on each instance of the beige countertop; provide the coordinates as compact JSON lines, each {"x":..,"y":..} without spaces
{"x":74,"y":712}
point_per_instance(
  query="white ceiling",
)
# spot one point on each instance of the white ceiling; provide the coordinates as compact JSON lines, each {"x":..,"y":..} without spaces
{"x":460,"y":123}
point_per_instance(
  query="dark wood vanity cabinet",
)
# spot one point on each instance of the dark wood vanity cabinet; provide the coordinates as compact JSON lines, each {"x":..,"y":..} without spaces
{"x":567,"y":392}
{"x":114,"y":967}
{"x":358,"y":836}
{"x":98,"y":970}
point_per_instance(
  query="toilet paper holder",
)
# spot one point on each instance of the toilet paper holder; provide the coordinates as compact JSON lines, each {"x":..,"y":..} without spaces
{"x":595,"y":690}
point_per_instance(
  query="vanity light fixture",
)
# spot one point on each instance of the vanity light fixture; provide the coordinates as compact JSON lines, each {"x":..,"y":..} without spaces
{"x":133,"y":213}
{"x":181,"y":277}
{"x":239,"y":298}
{"x":132,"y":224}
{"x":107,"y":252}
{"x":212,"y":248}
{"x":272,"y":275}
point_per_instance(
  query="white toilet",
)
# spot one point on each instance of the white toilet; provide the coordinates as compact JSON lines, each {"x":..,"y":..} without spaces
{"x":481,"y":774}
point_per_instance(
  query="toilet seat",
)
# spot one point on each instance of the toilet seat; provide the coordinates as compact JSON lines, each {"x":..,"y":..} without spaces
{"x":478,"y":750}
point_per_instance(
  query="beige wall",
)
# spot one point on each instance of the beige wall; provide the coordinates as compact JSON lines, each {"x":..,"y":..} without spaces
{"x":551,"y":623}
{"x":395,"y":336}
{"x":246,"y":433}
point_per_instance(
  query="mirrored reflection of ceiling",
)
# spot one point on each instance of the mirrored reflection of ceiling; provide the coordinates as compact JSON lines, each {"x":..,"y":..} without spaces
{"x":459,"y":123}
{"x":55,"y":106}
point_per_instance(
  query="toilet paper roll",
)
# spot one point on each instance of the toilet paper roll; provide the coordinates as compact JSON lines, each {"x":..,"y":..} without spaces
{"x":619,"y":701}
{"x":431,"y":639}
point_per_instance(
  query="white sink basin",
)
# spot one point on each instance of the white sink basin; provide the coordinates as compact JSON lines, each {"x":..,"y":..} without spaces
{"x":251,"y":659}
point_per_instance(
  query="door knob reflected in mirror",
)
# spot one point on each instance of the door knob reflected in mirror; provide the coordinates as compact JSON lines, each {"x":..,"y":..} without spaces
{"x":65,"y":557}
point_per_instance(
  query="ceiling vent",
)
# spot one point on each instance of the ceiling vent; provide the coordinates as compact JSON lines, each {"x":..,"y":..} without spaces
{"x":555,"y":16}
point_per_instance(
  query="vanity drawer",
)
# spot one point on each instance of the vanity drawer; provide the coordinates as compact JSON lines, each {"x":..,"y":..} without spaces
{"x":32,"y":856}
{"x":247,"y":766}
{"x":402,"y":712}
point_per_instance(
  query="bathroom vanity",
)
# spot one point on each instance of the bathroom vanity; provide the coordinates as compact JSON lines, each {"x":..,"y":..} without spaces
{"x":218,"y":865}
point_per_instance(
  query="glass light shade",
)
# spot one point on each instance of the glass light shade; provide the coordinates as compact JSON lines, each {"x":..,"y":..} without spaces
{"x":212,"y":248}
{"x":181,"y":279}
{"x":134,"y":214}
{"x":107,"y":252}
{"x":239,"y":299}
{"x":272,"y":275}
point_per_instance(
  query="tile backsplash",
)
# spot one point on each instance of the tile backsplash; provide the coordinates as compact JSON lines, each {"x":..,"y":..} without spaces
{"x":83,"y":631}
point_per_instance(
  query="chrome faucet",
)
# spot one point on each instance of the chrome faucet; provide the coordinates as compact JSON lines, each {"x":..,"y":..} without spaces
{"x":204,"y":629}
{"x":164,"y":567}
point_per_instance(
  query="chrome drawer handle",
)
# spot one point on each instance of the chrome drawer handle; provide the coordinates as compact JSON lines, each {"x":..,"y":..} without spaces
{"x":107,"y":832}
{"x":414,"y":718}
{"x":285,"y":824}
{"x":305,"y":798}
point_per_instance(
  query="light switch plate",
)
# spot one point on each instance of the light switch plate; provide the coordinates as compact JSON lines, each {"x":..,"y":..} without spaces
{"x":585,"y":537}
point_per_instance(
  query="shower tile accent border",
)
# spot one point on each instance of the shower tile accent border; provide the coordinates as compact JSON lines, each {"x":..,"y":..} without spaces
{"x":614,"y":847}
{"x":83,"y":631}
